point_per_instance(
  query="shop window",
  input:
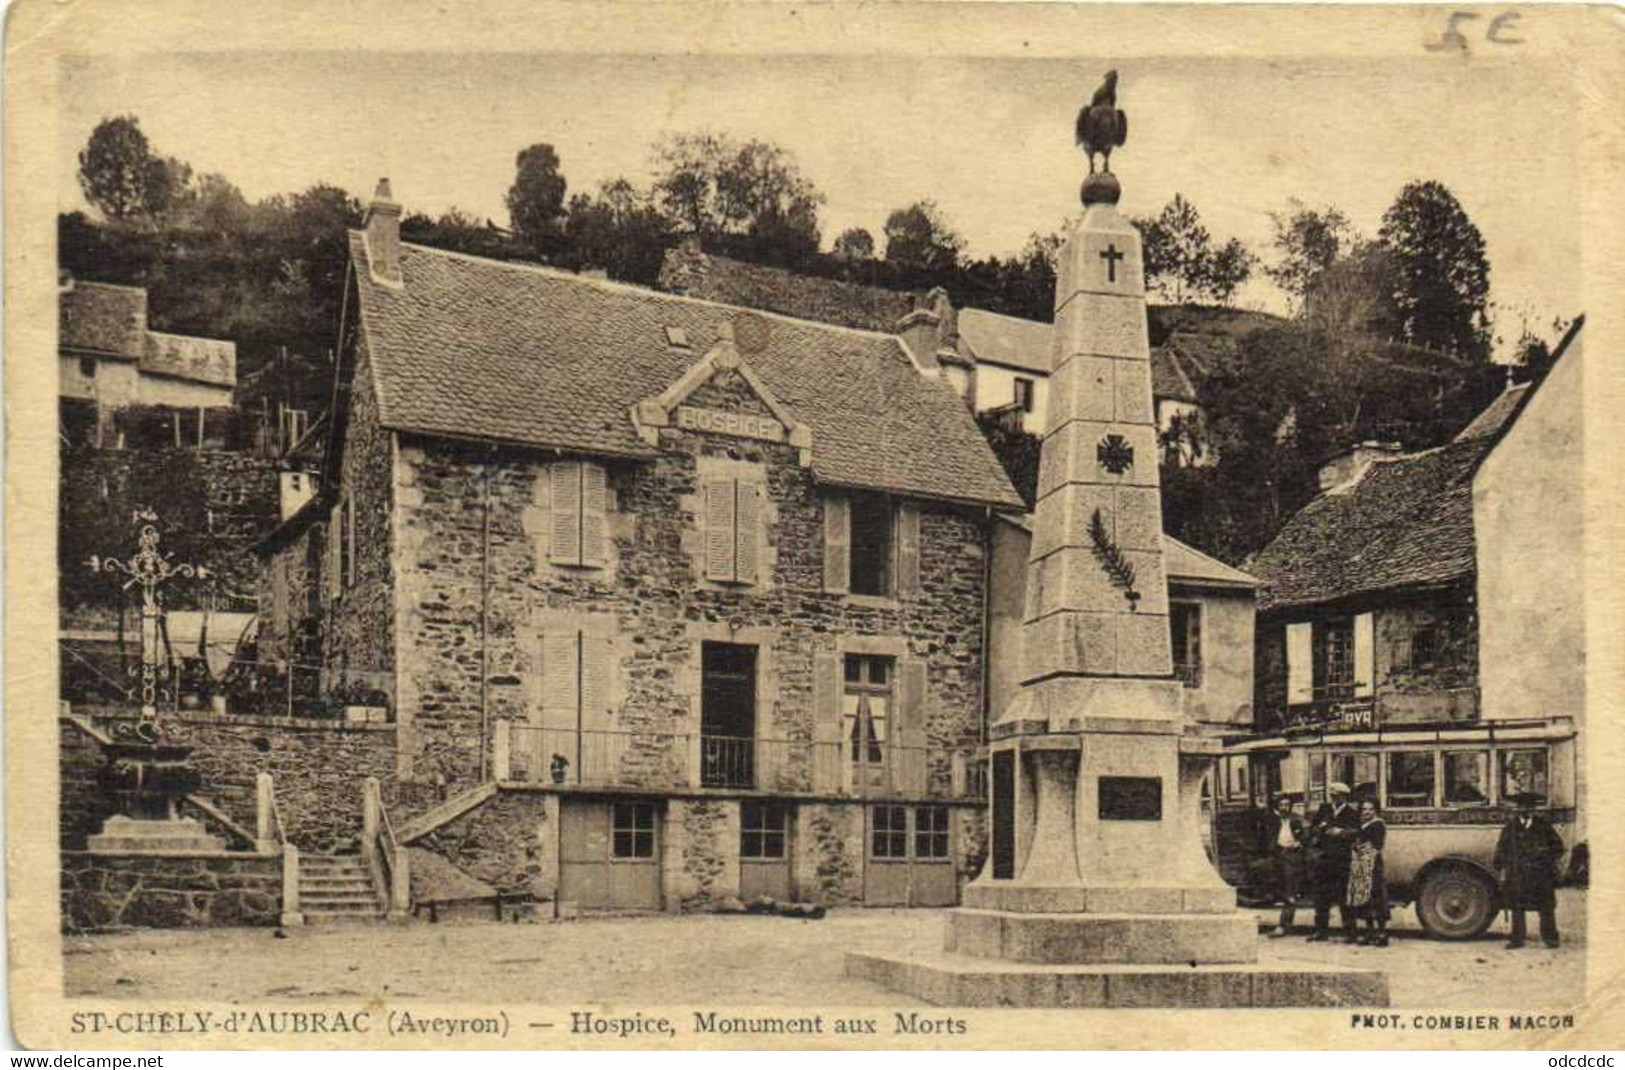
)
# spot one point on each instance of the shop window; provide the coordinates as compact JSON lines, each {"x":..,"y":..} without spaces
{"x":1523,"y":771}
{"x":889,"y":837}
{"x":931,"y":832}
{"x":1466,"y":778}
{"x":634,"y":830}
{"x":1410,"y":779}
{"x":867,"y":707}
{"x":763,"y":829}
{"x":871,"y":543}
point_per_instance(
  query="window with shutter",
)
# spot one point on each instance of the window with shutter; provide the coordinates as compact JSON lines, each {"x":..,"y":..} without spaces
{"x":837,"y":545}
{"x":747,"y":531}
{"x":908,"y":550}
{"x":720,"y":541}
{"x":578,"y":528}
{"x":827,"y":723}
{"x":1300,"y":685}
{"x":871,"y":545}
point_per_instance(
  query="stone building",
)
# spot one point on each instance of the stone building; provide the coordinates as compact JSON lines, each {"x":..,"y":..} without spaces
{"x":1434,"y":588}
{"x":673,"y":600}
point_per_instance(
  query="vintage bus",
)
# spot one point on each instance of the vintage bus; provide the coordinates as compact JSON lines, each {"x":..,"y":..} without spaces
{"x":1445,"y":794}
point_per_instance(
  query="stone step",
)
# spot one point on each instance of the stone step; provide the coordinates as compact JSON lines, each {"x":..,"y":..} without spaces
{"x":342,"y":915}
{"x":329,"y":896}
{"x":335,"y":884}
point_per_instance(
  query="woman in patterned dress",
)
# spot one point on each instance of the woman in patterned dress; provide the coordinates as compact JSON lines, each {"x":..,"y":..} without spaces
{"x":1367,"y":890}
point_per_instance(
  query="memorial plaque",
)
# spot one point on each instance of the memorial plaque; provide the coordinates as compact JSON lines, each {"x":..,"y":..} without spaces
{"x":1130,"y":798}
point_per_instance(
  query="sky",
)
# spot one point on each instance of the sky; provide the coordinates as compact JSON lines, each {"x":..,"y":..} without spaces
{"x":988,"y":138}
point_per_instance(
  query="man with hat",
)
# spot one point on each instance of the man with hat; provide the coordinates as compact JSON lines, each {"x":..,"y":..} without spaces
{"x":1281,"y":841}
{"x":1332,"y":834}
{"x":1526,"y":861}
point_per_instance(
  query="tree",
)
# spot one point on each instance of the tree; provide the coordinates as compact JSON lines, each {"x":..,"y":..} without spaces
{"x":751,"y":194}
{"x":621,"y":230}
{"x":919,"y":237}
{"x":854,"y":243}
{"x":536,"y":199}
{"x":1441,"y":278}
{"x":1308,"y":242}
{"x":120,"y":175}
{"x":1180,"y":260}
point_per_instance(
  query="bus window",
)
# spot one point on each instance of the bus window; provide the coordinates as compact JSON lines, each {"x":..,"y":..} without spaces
{"x":1466,"y":778}
{"x":1522,"y":770}
{"x":1317,"y":781}
{"x":1236,"y":783}
{"x":1358,"y":771}
{"x":1410,"y":778}
{"x":1266,"y":778}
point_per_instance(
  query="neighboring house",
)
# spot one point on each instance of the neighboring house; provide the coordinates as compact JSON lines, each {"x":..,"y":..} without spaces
{"x":1435,"y":588}
{"x":1211,"y":609}
{"x":1000,"y":364}
{"x":124,"y":384}
{"x":698,"y":592}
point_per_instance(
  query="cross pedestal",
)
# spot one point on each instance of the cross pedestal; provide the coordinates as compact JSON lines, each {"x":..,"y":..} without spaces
{"x":1097,"y":891}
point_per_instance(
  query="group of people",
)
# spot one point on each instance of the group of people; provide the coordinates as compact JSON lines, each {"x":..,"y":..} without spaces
{"x":1338,"y":853}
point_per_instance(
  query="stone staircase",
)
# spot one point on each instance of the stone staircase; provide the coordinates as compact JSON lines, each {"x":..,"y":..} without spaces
{"x":337,"y":888}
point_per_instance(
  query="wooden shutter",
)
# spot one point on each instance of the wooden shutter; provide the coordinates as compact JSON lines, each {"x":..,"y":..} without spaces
{"x":908,"y":549}
{"x":1300,"y":656}
{"x":565,"y":512}
{"x":594,"y":516}
{"x":827,"y":757}
{"x":747,"y":531}
{"x":597,"y":682}
{"x":1365,"y":649}
{"x":719,"y":530}
{"x":837,"y":544}
{"x":560,"y":677}
{"x":909,"y":736}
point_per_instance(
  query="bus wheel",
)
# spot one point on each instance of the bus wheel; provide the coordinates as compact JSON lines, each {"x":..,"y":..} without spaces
{"x":1455,"y":903}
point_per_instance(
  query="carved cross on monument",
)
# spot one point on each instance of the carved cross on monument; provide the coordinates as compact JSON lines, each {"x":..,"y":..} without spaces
{"x":1112,"y":257}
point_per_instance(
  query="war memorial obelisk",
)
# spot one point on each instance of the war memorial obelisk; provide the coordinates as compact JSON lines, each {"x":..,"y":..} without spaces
{"x":1097,"y":892}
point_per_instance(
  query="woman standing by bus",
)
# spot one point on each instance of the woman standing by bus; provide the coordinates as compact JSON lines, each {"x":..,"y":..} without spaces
{"x":1368,"y":890}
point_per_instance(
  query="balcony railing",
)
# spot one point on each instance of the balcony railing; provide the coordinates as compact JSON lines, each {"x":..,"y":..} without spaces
{"x":667,"y":761}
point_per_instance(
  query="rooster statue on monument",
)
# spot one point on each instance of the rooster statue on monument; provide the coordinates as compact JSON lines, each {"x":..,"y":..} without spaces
{"x":1102,"y":127}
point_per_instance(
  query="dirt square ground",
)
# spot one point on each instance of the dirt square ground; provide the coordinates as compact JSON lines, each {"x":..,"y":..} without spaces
{"x":717,"y":960}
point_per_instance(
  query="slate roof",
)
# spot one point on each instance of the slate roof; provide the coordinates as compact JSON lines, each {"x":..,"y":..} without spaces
{"x":111,"y":320}
{"x":1407,"y":522}
{"x":103,"y":318}
{"x":533,"y":356}
{"x":1010,"y":341}
{"x":200,"y":360}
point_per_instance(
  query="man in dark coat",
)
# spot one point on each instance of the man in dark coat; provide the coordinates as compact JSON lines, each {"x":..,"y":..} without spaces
{"x":1281,"y":841}
{"x":1526,"y":860}
{"x":1332,"y":835}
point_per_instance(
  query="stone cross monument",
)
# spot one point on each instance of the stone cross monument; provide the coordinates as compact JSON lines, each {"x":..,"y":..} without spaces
{"x":1097,"y":891}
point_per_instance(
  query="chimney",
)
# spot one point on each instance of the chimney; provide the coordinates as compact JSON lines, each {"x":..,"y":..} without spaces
{"x":382,"y":225}
{"x":685,"y":269}
{"x":921,"y":331}
{"x":1344,"y":470}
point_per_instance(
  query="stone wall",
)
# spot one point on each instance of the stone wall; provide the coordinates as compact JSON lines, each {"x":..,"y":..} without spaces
{"x":473,"y":578}
{"x":82,"y":807}
{"x":169,"y":891}
{"x":829,"y":853}
{"x":317,"y":767}
{"x":511,"y":843}
{"x":361,"y":622}
{"x":701,"y":852}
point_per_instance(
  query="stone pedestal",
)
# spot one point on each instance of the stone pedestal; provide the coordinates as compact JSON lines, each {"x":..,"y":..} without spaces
{"x":133,"y":835}
{"x":1097,"y":892}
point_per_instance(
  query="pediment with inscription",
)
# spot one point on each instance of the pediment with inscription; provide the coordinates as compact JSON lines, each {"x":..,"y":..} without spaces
{"x":721,"y":395}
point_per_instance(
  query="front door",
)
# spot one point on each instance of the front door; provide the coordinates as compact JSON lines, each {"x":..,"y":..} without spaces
{"x":728,"y":715}
{"x":765,"y":850}
{"x":609,"y":855}
{"x":910,"y":857}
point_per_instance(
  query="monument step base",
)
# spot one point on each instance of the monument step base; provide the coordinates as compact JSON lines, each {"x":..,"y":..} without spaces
{"x":154,"y":845}
{"x":1078,"y":899}
{"x":951,"y":980}
{"x":1122,"y":939}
